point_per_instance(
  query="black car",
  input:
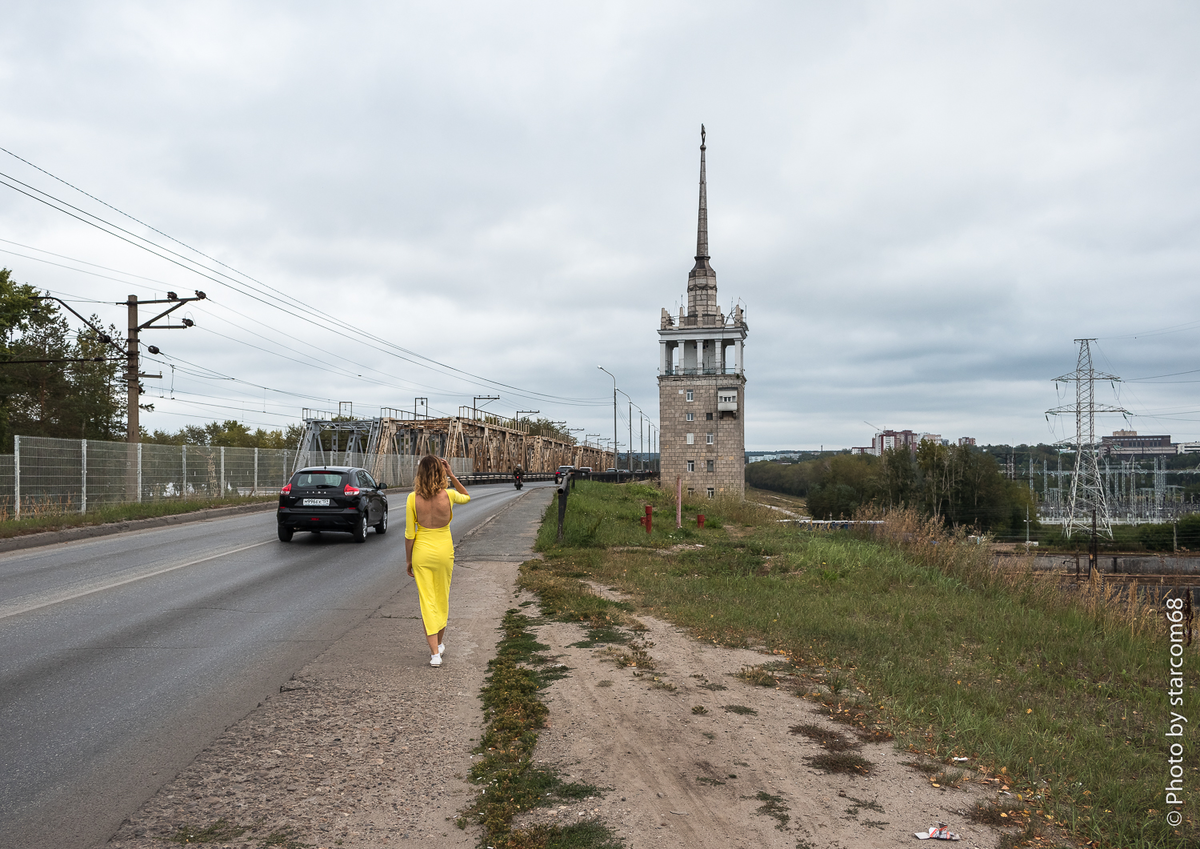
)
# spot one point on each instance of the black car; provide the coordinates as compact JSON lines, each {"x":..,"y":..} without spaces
{"x":332,"y":498}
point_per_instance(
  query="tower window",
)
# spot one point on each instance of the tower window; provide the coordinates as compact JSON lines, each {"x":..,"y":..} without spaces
{"x":691,"y":465}
{"x":708,"y":416}
{"x":710,"y":465}
{"x":691,"y":417}
{"x":712,"y":492}
{"x":690,"y":396}
{"x":691,"y":491}
{"x":691,"y":439}
{"x":708,"y":439}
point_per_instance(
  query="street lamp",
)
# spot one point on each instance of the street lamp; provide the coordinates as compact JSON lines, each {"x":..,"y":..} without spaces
{"x":614,"y":377}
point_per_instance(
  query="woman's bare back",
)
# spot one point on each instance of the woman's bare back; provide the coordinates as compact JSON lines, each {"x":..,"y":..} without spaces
{"x":433,"y":512}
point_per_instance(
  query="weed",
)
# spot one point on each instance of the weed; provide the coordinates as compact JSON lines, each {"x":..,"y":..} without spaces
{"x":699,"y":710}
{"x":708,"y":685}
{"x":284,"y":840}
{"x":773,"y":806}
{"x":219,"y":831}
{"x":712,"y":782}
{"x":861,"y":805}
{"x":607,"y":635}
{"x":741,"y":710}
{"x":604,"y":683}
{"x":757,"y":676}
{"x":994,"y":813}
{"x":834,"y":741}
{"x":844,"y":763}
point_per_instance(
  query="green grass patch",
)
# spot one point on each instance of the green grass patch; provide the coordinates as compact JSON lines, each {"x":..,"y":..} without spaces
{"x":513,"y":714}
{"x":46,"y":519}
{"x":911,"y":632}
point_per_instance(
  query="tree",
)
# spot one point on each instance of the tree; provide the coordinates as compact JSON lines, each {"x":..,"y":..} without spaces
{"x":57,"y":397}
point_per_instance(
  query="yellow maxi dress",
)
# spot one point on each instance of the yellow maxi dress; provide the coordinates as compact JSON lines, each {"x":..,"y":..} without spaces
{"x":433,"y":562}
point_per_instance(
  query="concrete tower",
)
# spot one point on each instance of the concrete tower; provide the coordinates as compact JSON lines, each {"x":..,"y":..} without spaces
{"x":701,"y":384}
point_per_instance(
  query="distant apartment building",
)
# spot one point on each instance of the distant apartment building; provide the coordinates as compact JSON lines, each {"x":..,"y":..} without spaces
{"x":887,"y":439}
{"x":1127,"y":443}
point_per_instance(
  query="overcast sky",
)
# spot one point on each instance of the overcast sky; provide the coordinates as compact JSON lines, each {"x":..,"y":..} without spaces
{"x":919,"y":205}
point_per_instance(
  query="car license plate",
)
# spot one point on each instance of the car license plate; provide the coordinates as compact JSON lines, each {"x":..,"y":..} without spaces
{"x":315,"y":502}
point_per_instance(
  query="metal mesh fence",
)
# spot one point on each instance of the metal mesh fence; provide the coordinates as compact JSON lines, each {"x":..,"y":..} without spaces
{"x":46,"y":475}
{"x":74,"y":475}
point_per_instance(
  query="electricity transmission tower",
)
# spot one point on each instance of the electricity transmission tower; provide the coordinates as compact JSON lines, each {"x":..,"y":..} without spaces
{"x":1088,"y":507}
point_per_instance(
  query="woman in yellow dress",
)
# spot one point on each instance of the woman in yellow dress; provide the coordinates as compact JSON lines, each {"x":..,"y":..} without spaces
{"x":429,"y":548}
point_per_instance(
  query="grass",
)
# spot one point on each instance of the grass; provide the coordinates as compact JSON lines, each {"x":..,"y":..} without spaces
{"x":513,"y":714}
{"x":1063,"y":695}
{"x":37,"y":519}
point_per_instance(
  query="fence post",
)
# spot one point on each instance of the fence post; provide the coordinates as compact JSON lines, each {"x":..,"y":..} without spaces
{"x":255,"y":490}
{"x":222,"y":471}
{"x":16,"y":477}
{"x":139,"y":472}
{"x":183,"y":486}
{"x":83,"y":476}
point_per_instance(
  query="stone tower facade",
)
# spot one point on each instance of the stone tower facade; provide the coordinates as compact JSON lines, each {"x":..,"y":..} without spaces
{"x":701,"y":382}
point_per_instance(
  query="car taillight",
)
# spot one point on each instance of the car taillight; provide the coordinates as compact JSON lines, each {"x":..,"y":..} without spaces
{"x":350,"y":490}
{"x":286,"y":489}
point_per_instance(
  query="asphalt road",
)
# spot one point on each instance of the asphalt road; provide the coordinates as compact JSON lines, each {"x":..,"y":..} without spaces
{"x":122,"y":657}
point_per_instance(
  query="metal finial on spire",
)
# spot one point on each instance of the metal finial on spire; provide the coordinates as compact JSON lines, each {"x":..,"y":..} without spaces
{"x":701,"y":136}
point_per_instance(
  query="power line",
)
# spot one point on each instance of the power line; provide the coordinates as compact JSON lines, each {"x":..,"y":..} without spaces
{"x":324,"y":319}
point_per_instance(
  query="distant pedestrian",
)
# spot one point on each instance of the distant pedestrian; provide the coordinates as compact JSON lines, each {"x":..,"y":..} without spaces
{"x":429,"y":548}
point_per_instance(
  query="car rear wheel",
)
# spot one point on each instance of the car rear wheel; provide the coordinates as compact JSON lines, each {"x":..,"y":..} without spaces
{"x":360,"y":528}
{"x":381,"y":527}
{"x":285,"y":534}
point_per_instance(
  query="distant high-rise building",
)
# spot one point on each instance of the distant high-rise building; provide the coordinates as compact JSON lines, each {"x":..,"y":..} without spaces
{"x":701,"y":382}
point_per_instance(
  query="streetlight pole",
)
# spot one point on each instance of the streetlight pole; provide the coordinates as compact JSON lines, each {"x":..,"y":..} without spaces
{"x":614,"y":377}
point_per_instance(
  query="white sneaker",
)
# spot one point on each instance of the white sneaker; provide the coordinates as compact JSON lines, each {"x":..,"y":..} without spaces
{"x":435,"y":660}
{"x":441,"y":649}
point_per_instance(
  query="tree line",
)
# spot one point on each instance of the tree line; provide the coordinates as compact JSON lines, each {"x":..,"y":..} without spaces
{"x":958,"y":484}
{"x":55,"y":381}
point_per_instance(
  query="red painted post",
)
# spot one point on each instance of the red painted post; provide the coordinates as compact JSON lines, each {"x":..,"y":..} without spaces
{"x":700,"y":520}
{"x":647,"y":520}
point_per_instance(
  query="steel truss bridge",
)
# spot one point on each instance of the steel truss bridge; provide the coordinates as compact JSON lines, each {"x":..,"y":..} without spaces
{"x":390,"y":445}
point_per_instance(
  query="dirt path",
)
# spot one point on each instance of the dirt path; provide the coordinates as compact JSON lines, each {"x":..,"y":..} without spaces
{"x":369,"y":747}
{"x":690,"y":766}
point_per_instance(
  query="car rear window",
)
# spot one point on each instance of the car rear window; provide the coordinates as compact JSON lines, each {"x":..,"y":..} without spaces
{"x":319,"y":479}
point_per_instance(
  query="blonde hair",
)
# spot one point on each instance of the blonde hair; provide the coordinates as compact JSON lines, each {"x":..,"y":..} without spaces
{"x":431,"y":477}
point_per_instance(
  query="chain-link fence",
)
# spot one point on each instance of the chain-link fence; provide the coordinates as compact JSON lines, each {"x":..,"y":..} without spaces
{"x":46,"y":475}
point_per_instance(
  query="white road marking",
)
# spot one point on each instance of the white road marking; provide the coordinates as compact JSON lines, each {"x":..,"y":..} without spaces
{"x":80,"y":592}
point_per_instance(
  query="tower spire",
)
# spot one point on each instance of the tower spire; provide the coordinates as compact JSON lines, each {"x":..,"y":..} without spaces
{"x":702,"y":280}
{"x":702,"y":219}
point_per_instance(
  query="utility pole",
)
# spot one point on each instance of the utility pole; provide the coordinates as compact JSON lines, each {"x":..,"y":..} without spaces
{"x":1087,"y":489}
{"x":478,"y":398}
{"x":132,"y":373}
{"x":417,"y":401}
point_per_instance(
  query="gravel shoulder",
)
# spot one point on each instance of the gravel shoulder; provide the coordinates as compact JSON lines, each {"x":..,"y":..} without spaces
{"x":368,"y":746}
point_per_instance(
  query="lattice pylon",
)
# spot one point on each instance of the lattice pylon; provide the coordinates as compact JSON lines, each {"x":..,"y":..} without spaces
{"x":1087,"y":487}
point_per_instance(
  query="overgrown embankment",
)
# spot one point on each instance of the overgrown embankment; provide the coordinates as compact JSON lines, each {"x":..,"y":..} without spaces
{"x":1063,"y":695}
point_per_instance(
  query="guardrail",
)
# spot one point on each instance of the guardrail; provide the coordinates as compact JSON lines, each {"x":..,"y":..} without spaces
{"x":502,"y":477}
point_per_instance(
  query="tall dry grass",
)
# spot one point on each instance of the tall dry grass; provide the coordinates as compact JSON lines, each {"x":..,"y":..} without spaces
{"x":955,"y":552}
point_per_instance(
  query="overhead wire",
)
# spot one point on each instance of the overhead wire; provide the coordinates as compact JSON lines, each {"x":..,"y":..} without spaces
{"x":305,"y":314}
